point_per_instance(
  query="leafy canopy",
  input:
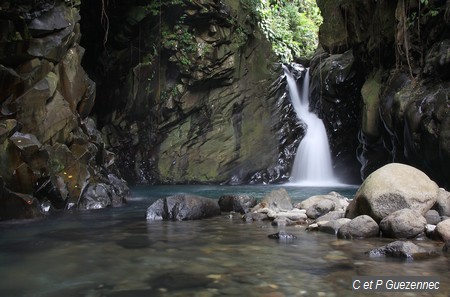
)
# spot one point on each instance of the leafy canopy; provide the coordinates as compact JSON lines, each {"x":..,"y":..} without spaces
{"x":290,"y":25}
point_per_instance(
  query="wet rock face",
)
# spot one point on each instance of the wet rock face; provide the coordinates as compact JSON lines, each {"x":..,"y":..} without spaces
{"x":48,"y":152}
{"x":418,"y":124}
{"x":396,"y":84}
{"x":191,"y":99}
{"x":335,"y":97}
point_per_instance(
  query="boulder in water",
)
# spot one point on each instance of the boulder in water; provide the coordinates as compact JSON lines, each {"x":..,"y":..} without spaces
{"x":433,"y":217}
{"x":320,"y":208}
{"x":393,"y":187}
{"x":402,"y":249}
{"x":277,"y":200}
{"x":339,"y":201}
{"x":404,"y":223}
{"x":183,"y":207}
{"x":237,"y":203}
{"x":360,"y":227}
{"x":442,"y":205}
{"x":332,"y":226}
{"x":442,"y":230}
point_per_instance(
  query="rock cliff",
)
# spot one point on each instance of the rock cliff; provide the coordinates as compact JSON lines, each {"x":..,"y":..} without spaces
{"x":186,"y":95}
{"x":52,"y":156}
{"x":383,"y":76}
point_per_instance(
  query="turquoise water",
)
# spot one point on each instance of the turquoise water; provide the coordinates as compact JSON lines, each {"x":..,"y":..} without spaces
{"x":117,"y":253}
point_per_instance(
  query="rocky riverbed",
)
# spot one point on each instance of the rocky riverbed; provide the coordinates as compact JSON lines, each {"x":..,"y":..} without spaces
{"x":397,"y":201}
{"x":117,"y":252}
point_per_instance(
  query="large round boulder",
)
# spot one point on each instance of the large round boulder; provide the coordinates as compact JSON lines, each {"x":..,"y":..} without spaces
{"x":393,"y":187}
{"x":182,"y":207}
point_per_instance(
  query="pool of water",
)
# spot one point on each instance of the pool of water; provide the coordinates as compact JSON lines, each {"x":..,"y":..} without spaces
{"x":117,"y":253}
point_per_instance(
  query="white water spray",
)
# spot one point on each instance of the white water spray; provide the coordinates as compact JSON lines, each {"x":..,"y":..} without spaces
{"x":312,"y":164}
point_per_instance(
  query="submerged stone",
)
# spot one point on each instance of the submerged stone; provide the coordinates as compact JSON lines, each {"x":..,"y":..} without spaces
{"x":135,"y":242}
{"x":176,"y":280}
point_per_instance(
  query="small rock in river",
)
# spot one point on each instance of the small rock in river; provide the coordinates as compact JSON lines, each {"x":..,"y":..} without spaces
{"x":282,"y":235}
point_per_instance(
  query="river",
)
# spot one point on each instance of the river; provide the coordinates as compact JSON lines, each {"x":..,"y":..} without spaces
{"x":115,"y":252}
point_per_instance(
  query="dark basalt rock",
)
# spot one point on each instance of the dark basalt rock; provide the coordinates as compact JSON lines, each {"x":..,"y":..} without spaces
{"x":335,"y":97}
{"x":50,"y":150}
{"x":183,"y":207}
{"x":379,"y":94}
{"x":237,"y":203}
{"x":96,"y":196}
{"x":17,"y":205}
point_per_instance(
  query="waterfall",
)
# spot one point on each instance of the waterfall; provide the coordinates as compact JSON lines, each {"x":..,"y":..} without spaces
{"x":312,"y":164}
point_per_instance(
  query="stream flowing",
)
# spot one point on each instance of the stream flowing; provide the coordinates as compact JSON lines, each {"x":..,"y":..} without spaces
{"x":115,"y":252}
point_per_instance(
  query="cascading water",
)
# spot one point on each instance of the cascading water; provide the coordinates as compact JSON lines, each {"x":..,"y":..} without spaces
{"x":312,"y":164}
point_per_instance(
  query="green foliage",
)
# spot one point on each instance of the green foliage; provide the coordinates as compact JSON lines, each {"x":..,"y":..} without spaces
{"x":172,"y":92}
{"x":155,"y":7}
{"x":426,"y":10}
{"x":290,"y":25}
{"x":181,"y":41}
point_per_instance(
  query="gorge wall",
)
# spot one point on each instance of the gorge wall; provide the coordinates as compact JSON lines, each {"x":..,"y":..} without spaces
{"x":190,"y":92}
{"x":186,"y":92}
{"x":149,"y":91}
{"x":52,"y":157}
{"x":381,"y":83}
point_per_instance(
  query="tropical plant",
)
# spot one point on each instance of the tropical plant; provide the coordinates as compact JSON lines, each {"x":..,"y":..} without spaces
{"x":290,"y":25}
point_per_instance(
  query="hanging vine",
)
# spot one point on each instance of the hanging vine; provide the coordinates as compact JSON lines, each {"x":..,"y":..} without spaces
{"x":402,"y":36}
{"x":412,"y":18}
{"x":104,"y":19}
